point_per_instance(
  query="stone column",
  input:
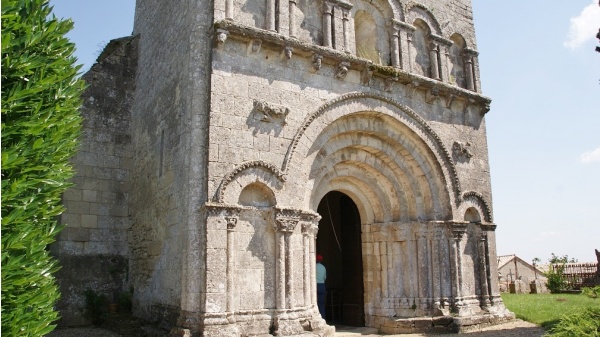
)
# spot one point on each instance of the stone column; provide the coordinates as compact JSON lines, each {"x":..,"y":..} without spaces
{"x":292,"y":10}
{"x":443,"y":56}
{"x":231,"y":223}
{"x":483,"y":272}
{"x":395,"y":44}
{"x":285,"y":228}
{"x":229,"y":9}
{"x":328,"y":24}
{"x":436,"y":262}
{"x":434,"y":57}
{"x":271,"y":13}
{"x":306,"y":269}
{"x":458,"y":231}
{"x":345,"y":15}
{"x":423,"y":267}
{"x":405,"y":40}
{"x":468,"y":65}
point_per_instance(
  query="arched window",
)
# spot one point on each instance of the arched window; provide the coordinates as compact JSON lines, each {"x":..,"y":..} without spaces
{"x":420,"y":46}
{"x":365,"y":30}
{"x":457,"y":71}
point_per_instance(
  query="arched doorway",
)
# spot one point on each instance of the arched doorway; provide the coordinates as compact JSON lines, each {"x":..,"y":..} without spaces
{"x":339,"y":241}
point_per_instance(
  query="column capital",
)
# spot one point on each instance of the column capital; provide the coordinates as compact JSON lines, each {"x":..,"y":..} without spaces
{"x":441,"y":40}
{"x":231,"y":222}
{"x":470,"y":52}
{"x":286,"y":224}
{"x":488,"y":227}
{"x":401,"y":25}
{"x":459,"y":229}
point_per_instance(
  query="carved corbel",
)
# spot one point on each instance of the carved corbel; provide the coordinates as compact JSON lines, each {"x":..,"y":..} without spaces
{"x":317,"y":61}
{"x":342,"y":70}
{"x":485,"y":108}
{"x":287,"y":52}
{"x":388,"y":82}
{"x":222,"y":35}
{"x":450,"y":100}
{"x":366,"y":74}
{"x":255,"y":46}
{"x":411,"y":88}
{"x":431,"y":95}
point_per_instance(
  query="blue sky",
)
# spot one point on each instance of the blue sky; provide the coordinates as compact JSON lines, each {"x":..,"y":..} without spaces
{"x":538,"y":65}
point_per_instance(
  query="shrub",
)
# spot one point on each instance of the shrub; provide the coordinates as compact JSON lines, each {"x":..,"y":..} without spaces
{"x":40,"y":126}
{"x":556,"y":281}
{"x":591,"y":292}
{"x":583,"y":323}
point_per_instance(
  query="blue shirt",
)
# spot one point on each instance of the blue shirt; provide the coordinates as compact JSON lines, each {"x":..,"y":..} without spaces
{"x":321,"y":273}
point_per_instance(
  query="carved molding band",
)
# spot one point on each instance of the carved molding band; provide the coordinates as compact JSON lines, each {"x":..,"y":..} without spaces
{"x":479,"y":200}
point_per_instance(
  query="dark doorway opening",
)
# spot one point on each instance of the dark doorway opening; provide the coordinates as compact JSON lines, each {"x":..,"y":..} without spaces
{"x":339,"y":241}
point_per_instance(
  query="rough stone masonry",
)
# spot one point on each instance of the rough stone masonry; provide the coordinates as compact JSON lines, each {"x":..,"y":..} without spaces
{"x":227,"y":142}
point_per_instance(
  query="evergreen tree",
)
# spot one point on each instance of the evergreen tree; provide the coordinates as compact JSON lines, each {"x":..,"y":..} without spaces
{"x":40,"y":128}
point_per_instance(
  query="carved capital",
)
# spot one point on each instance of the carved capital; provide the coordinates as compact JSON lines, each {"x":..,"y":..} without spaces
{"x":286,"y":224}
{"x":231,"y":222}
{"x":459,"y":230}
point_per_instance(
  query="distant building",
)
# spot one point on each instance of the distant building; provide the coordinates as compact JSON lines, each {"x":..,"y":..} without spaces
{"x":513,"y":269}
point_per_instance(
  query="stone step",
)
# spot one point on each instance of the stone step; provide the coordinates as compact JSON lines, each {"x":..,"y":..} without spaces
{"x":352,"y":331}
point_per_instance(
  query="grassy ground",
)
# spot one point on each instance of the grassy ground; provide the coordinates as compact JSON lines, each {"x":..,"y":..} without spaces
{"x":546,"y":309}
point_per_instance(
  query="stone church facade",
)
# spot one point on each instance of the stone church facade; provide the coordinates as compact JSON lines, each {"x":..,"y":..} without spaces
{"x":227,"y":142}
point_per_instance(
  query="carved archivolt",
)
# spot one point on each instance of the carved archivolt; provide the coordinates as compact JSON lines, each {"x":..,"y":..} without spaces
{"x":272,"y":169}
{"x":414,"y":122}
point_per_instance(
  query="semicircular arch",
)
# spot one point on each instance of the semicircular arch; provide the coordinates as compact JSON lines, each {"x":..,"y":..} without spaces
{"x":429,"y":145}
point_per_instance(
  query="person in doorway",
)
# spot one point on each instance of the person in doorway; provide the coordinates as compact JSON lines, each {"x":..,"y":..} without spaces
{"x":321,"y":290}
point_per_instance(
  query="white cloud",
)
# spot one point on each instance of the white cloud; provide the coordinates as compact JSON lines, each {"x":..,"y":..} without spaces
{"x":584,"y":26}
{"x":590,"y":156}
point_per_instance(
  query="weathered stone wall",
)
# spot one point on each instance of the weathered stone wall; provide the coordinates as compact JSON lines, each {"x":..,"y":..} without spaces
{"x":93,"y":248}
{"x":168,"y":123}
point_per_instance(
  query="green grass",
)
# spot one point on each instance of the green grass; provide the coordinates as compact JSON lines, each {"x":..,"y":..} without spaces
{"x":546,"y":309}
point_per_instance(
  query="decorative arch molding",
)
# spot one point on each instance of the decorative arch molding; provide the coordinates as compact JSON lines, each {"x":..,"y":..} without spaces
{"x":414,"y":11}
{"x":245,"y":169}
{"x":474,"y":199}
{"x":360,"y":101}
{"x":387,"y":8}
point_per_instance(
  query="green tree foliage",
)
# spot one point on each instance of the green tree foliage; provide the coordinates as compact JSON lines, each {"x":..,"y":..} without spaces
{"x":40,"y":127}
{"x":556,"y":280}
